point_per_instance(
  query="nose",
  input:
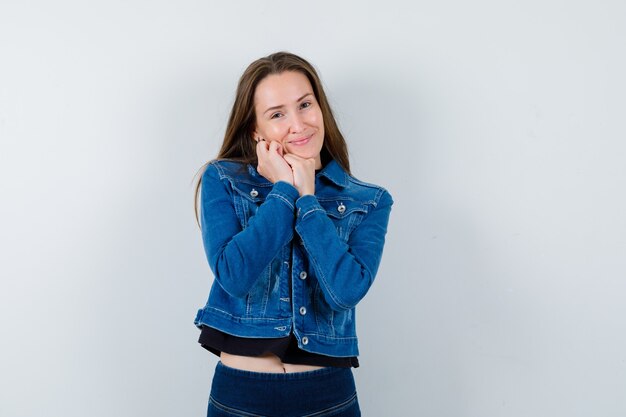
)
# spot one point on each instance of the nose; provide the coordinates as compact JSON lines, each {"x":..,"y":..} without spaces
{"x":297,"y":124}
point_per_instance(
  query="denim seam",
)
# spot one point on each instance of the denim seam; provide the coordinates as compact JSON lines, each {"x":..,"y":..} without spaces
{"x":364,"y":183}
{"x":219,"y":169}
{"x":379,"y":194}
{"x":325,"y":336}
{"x":311,"y":211}
{"x":236,"y":411}
{"x":247,"y":318}
{"x":323,"y":278}
{"x":335,"y":408}
{"x":280,"y":197}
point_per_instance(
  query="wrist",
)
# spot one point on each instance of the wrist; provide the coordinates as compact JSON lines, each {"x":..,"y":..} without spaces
{"x":307,"y":192}
{"x":286,"y":179}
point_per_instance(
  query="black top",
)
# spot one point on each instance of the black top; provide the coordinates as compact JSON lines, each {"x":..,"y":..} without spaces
{"x":286,"y":348}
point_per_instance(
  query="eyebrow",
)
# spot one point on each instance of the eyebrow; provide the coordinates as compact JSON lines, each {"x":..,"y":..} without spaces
{"x":278,"y":107}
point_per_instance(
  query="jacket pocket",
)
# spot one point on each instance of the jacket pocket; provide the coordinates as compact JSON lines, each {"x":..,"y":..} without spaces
{"x":247,"y":198}
{"x":346,"y":214}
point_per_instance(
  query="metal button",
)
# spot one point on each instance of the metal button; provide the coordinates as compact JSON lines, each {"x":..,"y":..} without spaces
{"x":301,"y":242}
{"x":341,"y":208}
{"x":286,"y":263}
{"x":254,"y":193}
{"x":299,"y":211}
{"x":305,"y":340}
{"x":303,"y":275}
{"x":302,"y":311}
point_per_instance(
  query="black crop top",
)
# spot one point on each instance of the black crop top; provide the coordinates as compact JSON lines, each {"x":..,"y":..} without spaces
{"x":286,"y":348}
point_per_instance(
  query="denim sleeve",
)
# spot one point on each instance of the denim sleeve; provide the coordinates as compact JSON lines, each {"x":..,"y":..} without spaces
{"x":238,"y":256}
{"x":345,"y":271}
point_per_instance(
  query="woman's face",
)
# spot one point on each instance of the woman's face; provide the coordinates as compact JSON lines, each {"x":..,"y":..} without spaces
{"x":287,"y":111}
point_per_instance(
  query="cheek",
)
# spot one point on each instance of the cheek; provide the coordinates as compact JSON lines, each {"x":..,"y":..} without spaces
{"x":317,"y":119}
{"x":272,"y":131}
{"x":319,"y":116}
{"x":320,"y":123}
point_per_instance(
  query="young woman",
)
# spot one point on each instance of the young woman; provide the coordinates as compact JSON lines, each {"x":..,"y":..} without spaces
{"x":294,"y":242}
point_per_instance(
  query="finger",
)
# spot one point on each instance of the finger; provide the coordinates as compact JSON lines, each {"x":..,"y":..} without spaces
{"x":280,"y":149}
{"x":274,"y":146}
{"x":261,"y":147}
{"x":294,"y":156}
{"x":291,"y":155}
{"x":290,"y":158}
{"x":293,"y":159}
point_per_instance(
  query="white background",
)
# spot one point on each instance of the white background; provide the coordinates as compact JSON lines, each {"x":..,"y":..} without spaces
{"x":498,"y":127}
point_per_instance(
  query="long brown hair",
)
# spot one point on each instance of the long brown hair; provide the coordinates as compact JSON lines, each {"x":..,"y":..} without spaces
{"x":238,"y":144}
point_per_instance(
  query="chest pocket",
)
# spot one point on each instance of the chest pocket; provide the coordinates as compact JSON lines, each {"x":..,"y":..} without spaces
{"x":247,"y":199}
{"x":346,"y":214}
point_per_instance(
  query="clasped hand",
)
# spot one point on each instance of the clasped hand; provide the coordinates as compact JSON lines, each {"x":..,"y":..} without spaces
{"x":276,"y":165}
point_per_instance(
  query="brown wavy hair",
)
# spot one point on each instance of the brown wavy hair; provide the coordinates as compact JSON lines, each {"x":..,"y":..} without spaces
{"x":238,"y":144}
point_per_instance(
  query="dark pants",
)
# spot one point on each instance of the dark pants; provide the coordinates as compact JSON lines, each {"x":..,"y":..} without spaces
{"x":329,"y":391}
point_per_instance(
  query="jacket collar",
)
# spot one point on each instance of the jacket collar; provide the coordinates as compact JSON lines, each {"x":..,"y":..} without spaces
{"x":332,"y":170}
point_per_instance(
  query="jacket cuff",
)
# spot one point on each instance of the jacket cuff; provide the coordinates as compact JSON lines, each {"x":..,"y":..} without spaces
{"x":306,"y":205}
{"x":284,"y":192}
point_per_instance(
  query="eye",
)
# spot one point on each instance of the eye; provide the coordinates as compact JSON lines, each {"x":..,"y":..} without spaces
{"x":306,"y":104}
{"x":273,"y":116}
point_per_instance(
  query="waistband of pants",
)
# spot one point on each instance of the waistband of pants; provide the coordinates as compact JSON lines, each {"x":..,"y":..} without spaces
{"x":283,"y":394}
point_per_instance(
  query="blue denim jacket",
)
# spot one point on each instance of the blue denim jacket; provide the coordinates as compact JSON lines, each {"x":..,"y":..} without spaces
{"x":287,"y":263}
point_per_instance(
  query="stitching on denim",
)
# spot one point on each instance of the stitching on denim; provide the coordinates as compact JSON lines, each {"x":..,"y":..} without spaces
{"x":248,"y":305}
{"x":240,"y":212}
{"x":315,"y":294}
{"x":360,"y":182}
{"x":266,"y":295}
{"x":347,"y":339}
{"x":228,"y":409}
{"x":379,"y":194}
{"x":219,"y":166}
{"x":338,"y":407}
{"x":323,"y":278}
{"x":245,"y":319}
{"x":326,"y":412}
{"x":352,"y":223}
{"x":311,"y":211}
{"x":281,"y":197}
{"x":219,"y":169}
{"x":344,"y":197}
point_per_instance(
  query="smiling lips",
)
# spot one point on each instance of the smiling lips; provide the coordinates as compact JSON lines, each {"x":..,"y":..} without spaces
{"x":301,"y":141}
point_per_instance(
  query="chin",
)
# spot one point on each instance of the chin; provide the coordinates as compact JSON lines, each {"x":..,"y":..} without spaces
{"x":305,"y":155}
{"x":302,"y":154}
{"x":308,"y":152}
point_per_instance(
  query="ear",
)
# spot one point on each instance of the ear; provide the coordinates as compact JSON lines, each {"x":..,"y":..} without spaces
{"x":255,"y":135}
